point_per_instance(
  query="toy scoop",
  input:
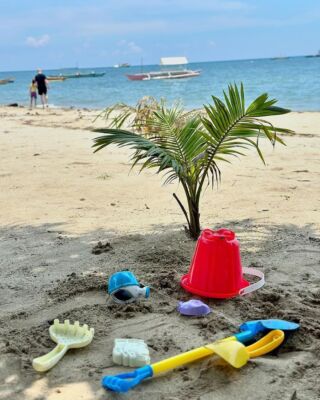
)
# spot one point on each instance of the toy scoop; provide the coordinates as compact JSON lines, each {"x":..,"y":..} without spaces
{"x":231,"y":350}
{"x":250,"y":329}
{"x":67,"y":336}
{"x":237,"y":355}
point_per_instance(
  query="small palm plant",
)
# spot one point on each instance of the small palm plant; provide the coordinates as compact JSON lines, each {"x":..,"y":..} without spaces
{"x":189,"y":146}
{"x":136,"y":116}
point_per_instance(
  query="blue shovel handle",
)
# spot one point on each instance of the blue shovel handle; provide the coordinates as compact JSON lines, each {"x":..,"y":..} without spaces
{"x":245,"y":336}
{"x":126,"y":381}
{"x":250,"y":329}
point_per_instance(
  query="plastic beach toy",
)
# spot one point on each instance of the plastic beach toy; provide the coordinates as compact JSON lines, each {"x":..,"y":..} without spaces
{"x":130,"y":352}
{"x":232,"y":351}
{"x":124,"y":287}
{"x":216,"y":269}
{"x":249,"y":330}
{"x":193,"y":308}
{"x":237,"y":355}
{"x":124,"y":382}
{"x":67,"y":336}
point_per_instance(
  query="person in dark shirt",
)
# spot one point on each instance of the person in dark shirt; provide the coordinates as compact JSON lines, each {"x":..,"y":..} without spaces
{"x":42,"y":85}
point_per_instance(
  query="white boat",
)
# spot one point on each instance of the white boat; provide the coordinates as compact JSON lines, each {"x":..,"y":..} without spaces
{"x":177,"y":73}
{"x":124,"y":65}
{"x":314,"y":55}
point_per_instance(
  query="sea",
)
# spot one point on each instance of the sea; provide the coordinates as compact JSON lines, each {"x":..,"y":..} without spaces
{"x":293,"y":81}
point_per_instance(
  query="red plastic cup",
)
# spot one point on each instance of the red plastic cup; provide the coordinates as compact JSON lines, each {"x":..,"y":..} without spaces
{"x":216,"y":269}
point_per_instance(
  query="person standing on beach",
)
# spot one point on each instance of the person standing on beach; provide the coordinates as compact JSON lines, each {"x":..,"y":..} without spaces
{"x":42,"y":84}
{"x":33,"y":93}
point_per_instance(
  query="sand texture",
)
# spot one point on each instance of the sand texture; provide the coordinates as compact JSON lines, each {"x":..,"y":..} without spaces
{"x":58,"y":200}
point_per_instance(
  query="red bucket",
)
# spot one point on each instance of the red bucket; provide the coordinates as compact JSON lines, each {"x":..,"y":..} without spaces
{"x":215,"y":269}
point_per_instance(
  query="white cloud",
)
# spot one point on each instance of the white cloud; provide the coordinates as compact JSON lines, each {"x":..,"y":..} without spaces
{"x":134,"y":48}
{"x":126,"y":47}
{"x":121,"y":42}
{"x":96,"y":28}
{"x":37,"y":41}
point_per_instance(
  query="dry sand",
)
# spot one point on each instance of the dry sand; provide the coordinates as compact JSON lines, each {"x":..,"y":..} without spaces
{"x":58,"y":199}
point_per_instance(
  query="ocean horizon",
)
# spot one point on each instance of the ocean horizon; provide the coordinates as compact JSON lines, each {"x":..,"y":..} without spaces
{"x":293,"y":81}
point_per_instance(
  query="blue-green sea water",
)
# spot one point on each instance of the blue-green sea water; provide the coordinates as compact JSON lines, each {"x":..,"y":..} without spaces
{"x":294,"y":81}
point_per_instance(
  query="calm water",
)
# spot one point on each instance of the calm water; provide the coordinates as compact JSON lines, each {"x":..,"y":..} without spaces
{"x":295,"y":82}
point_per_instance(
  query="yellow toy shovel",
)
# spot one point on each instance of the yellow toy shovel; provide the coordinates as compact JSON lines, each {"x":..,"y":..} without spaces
{"x":67,"y":336}
{"x":237,"y":355}
{"x":232,"y":351}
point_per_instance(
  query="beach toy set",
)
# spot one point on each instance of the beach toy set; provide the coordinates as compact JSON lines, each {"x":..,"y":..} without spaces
{"x":215,"y":272}
{"x":233,"y":352}
{"x":231,"y":349}
{"x":135,"y":352}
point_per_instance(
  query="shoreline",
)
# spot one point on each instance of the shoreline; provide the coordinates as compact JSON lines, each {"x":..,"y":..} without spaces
{"x":155,"y":64}
{"x":66,"y":108}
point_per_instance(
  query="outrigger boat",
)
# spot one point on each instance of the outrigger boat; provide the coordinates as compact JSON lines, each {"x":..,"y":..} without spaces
{"x":56,"y":78}
{"x":167,"y":73}
{"x":6,"y":80}
{"x":84,"y":75}
{"x":62,"y":77}
{"x":163,"y":75}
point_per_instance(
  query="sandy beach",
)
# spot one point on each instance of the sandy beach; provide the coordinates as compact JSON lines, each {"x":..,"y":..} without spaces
{"x":58,"y":200}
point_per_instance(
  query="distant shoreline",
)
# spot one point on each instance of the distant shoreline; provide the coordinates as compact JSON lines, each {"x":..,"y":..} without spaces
{"x":274,"y":58}
{"x":293,"y":82}
{"x":69,"y":108}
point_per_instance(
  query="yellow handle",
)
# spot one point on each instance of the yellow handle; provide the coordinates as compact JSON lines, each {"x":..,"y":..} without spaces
{"x":268,"y":343}
{"x":185,"y":358}
{"x":44,"y":363}
{"x":180,"y":359}
{"x":263,"y":346}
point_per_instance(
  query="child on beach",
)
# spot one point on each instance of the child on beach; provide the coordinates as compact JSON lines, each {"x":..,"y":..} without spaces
{"x":33,"y":93}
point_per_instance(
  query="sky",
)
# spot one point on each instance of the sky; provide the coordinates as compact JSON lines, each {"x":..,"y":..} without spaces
{"x":92,"y":33}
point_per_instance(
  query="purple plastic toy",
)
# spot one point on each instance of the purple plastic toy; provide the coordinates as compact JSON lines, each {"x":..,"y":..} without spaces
{"x":193,"y":308}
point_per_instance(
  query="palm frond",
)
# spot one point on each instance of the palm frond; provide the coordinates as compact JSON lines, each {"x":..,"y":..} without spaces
{"x":189,"y":146}
{"x":230,"y":126}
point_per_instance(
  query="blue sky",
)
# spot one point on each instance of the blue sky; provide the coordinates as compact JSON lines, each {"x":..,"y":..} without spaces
{"x":62,"y":33}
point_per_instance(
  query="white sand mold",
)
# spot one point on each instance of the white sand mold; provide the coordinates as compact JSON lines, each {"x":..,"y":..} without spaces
{"x":130,"y":352}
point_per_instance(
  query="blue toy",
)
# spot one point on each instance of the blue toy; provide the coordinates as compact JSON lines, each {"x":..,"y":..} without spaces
{"x":124,"y":287}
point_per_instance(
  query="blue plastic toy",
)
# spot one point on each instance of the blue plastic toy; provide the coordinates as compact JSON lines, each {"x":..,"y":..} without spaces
{"x":124,"y":287}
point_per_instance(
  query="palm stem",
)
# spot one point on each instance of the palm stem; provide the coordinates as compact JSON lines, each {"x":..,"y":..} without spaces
{"x":183,"y":209}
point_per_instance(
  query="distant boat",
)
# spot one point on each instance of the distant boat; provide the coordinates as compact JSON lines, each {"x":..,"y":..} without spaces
{"x":167,"y":73}
{"x":124,"y":65}
{"x":163,"y":75}
{"x":6,"y":80}
{"x":279,"y":58}
{"x":84,"y":75}
{"x":314,"y":55}
{"x":77,"y":75}
{"x":56,"y":78}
